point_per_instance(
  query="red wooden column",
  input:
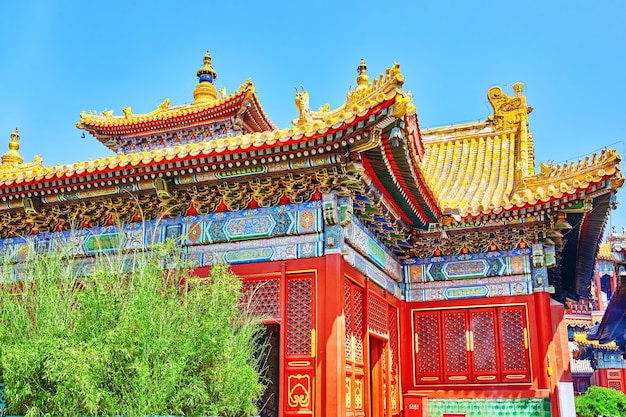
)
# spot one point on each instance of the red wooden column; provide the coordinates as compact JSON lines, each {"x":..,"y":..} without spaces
{"x":544,"y":338}
{"x":331,"y":339}
{"x":598,"y":284}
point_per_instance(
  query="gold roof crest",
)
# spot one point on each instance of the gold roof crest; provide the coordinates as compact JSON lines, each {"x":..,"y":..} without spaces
{"x":12,"y":162}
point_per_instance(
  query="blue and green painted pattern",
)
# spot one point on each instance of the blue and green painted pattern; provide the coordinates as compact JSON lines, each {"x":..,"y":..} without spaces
{"x":283,"y":248}
{"x":469,"y":266}
{"x":490,"y":407}
{"x":492,"y":274}
{"x":261,"y":223}
{"x":503,"y":286}
{"x":364,"y":242}
{"x":366,"y":267}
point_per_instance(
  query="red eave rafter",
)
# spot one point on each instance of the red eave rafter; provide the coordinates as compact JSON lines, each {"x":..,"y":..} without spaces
{"x":399,"y":179}
{"x":368,"y":167}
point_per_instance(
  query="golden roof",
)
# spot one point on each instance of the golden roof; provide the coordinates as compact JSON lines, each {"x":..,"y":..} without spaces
{"x":163,"y":112}
{"x":581,"y":339}
{"x":605,"y":252}
{"x":359,"y":103}
{"x":487,"y":167}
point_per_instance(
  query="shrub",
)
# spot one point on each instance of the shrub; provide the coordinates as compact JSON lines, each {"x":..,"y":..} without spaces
{"x":127,"y":341}
{"x":600,"y":401}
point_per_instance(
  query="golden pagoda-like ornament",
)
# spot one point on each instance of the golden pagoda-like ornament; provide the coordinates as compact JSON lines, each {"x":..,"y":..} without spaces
{"x":13,"y":157}
{"x":205,"y":91}
{"x":12,"y":162}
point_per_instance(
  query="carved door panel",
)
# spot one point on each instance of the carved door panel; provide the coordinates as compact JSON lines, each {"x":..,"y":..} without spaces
{"x":268,"y":403}
{"x":354,"y":347}
{"x":483,"y":344}
{"x":300,"y":346}
{"x":456,"y":346}
{"x":427,"y":347}
{"x":378,"y":378}
{"x":514,"y":342}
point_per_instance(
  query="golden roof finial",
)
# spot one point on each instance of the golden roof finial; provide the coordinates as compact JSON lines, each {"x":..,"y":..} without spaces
{"x":12,"y":157}
{"x":362,"y":80}
{"x":205,"y":91}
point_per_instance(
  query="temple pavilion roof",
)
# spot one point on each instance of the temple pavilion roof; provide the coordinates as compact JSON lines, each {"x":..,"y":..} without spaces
{"x":488,"y":167}
{"x":377,"y":122}
{"x":209,"y":106}
{"x":581,"y":366}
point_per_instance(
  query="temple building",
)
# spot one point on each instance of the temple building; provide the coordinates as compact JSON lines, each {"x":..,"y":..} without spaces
{"x":596,"y":323}
{"x":405,"y":271}
{"x":592,"y":362}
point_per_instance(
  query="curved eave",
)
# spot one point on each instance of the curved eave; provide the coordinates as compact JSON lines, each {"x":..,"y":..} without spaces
{"x":260,"y":120}
{"x":301,"y":135}
{"x":591,"y":232}
{"x":393,"y":174}
{"x":244,"y":103}
{"x":613,"y":324}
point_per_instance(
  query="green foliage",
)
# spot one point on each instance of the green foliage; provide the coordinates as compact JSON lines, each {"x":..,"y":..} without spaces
{"x":134,"y":343}
{"x":600,"y":401}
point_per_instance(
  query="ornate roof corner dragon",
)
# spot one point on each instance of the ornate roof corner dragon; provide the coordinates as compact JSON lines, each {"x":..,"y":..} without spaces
{"x":508,"y":112}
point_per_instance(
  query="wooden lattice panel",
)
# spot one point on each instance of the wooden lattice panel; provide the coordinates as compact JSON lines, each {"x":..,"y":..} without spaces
{"x":359,"y":329}
{"x":483,"y":327}
{"x":427,"y":343}
{"x":349,"y":319}
{"x":263,"y":297}
{"x":299,"y":316}
{"x":393,"y":338}
{"x":615,"y":385}
{"x":512,"y":321}
{"x":454,"y":342}
{"x":394,"y":393}
{"x":377,"y":316}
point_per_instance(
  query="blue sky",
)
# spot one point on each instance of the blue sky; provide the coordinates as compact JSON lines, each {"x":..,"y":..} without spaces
{"x":58,"y":58}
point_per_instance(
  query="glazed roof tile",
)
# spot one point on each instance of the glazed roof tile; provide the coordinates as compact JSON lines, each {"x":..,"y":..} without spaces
{"x":605,"y":252}
{"x":476,"y":169}
{"x":581,"y":366}
{"x":580,"y":338}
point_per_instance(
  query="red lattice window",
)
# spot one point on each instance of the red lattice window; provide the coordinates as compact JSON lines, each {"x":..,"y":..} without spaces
{"x":512,"y":341}
{"x":479,"y":345}
{"x":483,"y":326}
{"x":359,"y":329}
{"x":349,"y":318}
{"x":613,"y":373}
{"x":263,"y":297}
{"x":427,"y":348}
{"x":377,"y":317}
{"x":454,"y":342}
{"x":615,"y":385}
{"x":299,"y":316}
